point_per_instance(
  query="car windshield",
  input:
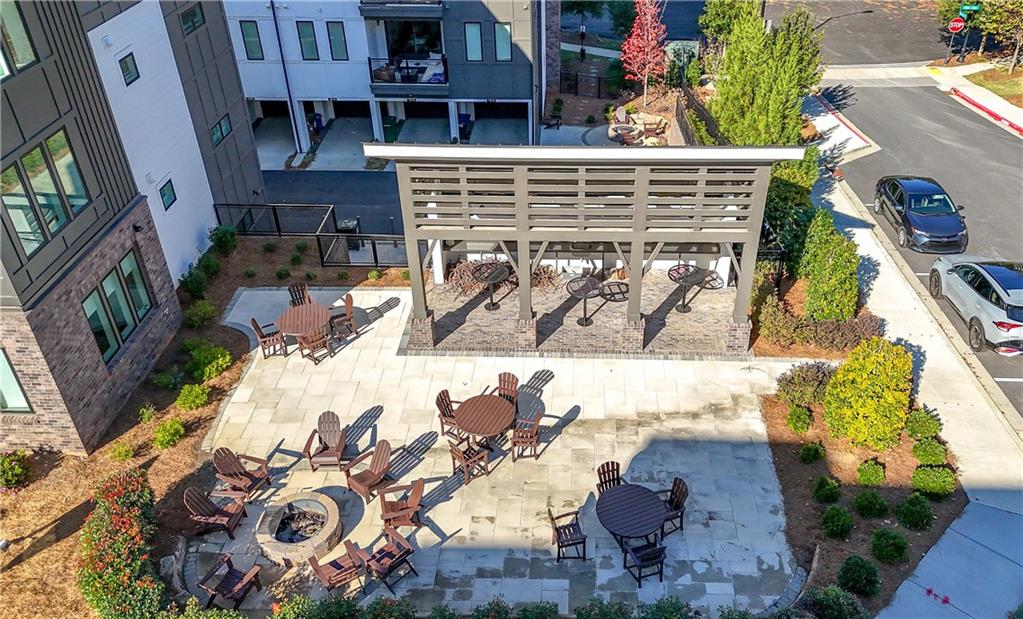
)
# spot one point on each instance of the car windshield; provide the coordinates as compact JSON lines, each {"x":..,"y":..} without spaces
{"x":930,"y":204}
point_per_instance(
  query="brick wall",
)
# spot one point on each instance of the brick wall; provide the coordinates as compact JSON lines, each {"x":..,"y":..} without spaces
{"x":93,"y":391}
{"x":552,"y":53}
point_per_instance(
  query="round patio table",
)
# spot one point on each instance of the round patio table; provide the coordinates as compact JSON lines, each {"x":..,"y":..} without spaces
{"x":484,"y":416}
{"x":686,"y":275}
{"x":491,"y":274}
{"x":615,"y":292}
{"x":629,"y":510}
{"x":303,"y":319}
{"x":584,"y":288}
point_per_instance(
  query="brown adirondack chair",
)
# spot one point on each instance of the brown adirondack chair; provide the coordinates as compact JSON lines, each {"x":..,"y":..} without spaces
{"x":347,"y":319}
{"x":446,"y":413}
{"x":234,"y":585}
{"x":387,"y":560}
{"x":347,"y":568}
{"x":315,"y":345}
{"x":299,"y":294}
{"x":471,"y":458}
{"x":366,"y":481}
{"x":326,"y":444}
{"x":404,"y":511}
{"x":272,"y":343}
{"x":507,"y":386}
{"x":567,"y":535}
{"x":608,"y":476}
{"x":205,"y":511}
{"x":525,"y":440}
{"x":233,"y":472}
{"x":675,"y":501}
{"x":645,"y":560}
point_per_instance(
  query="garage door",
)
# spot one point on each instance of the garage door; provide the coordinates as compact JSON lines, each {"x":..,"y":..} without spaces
{"x":351,"y":109}
{"x":501,"y":110}
{"x":426,"y":110}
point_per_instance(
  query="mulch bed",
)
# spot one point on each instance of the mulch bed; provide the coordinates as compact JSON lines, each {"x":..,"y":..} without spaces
{"x":42,"y":519}
{"x":803,"y":515}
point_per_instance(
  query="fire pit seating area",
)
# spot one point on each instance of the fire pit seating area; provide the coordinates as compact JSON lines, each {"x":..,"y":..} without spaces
{"x":638,"y":128}
{"x":299,"y":526}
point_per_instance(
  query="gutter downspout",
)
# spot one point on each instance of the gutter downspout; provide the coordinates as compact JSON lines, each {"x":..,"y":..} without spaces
{"x":287,"y":82}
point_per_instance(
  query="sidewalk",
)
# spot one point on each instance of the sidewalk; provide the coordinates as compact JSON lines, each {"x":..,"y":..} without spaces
{"x":593,"y":51}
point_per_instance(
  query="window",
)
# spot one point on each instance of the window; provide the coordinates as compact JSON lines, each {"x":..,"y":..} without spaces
{"x":250,"y":38}
{"x":17,"y":45}
{"x":67,"y":170}
{"x":4,"y":71}
{"x":12,"y":396}
{"x":192,"y":18}
{"x":114,"y":309}
{"x":19,"y":209}
{"x":221,"y":130}
{"x":502,"y":42}
{"x":129,"y":70}
{"x":473,"y":42}
{"x":338,"y":44}
{"x":44,"y":187}
{"x":167,"y":195}
{"x":413,"y":37}
{"x":307,"y":40}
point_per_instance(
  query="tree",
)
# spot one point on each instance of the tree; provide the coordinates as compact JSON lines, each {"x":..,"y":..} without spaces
{"x":643,"y":52}
{"x":623,"y":14}
{"x":583,"y":8}
{"x":1004,"y":19}
{"x":719,"y":16}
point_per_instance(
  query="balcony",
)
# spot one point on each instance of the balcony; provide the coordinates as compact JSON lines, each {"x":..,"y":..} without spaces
{"x":401,"y":9}
{"x":407,"y":77}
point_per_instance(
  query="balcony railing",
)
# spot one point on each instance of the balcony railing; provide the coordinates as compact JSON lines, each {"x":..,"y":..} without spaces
{"x":401,"y":9}
{"x":427,"y":71}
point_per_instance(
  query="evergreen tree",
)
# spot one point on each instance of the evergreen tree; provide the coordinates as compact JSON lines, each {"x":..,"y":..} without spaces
{"x":719,"y":17}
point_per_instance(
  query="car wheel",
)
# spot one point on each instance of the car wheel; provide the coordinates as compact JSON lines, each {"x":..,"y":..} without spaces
{"x":934,"y":285}
{"x":877,"y":204}
{"x":902,"y":236}
{"x":976,"y":335}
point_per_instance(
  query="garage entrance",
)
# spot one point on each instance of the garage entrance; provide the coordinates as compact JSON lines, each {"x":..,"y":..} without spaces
{"x":500,"y":123}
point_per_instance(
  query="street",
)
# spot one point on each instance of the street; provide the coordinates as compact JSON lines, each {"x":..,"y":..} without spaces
{"x":372,"y":197}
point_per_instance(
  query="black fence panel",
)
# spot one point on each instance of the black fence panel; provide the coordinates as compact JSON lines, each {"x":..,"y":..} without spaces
{"x":277,"y":219}
{"x":701,"y":112}
{"x":580,"y":84}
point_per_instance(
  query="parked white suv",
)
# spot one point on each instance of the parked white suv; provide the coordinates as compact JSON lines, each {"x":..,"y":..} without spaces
{"x":988,"y":295}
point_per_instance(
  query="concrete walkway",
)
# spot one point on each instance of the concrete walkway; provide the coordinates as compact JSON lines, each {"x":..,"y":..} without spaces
{"x":593,"y":51}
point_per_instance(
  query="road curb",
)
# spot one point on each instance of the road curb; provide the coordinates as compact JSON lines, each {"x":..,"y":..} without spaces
{"x":974,"y":369}
{"x":980,"y":107}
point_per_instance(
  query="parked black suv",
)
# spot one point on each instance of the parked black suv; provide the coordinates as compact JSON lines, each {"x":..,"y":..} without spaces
{"x":925,"y":218}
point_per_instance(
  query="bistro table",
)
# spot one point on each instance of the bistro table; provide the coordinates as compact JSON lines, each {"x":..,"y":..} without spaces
{"x":630,"y":510}
{"x":491,"y":274}
{"x":484,"y":416}
{"x":584,"y":288}
{"x":303,"y":319}
{"x":686,"y":275}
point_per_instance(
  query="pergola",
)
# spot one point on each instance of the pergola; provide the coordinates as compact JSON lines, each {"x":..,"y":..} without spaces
{"x":523,"y":198}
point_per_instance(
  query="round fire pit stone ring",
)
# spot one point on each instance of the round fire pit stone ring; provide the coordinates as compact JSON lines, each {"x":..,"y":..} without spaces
{"x":290,"y":529}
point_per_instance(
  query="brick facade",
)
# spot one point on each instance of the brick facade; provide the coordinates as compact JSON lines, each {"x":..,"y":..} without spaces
{"x":421,"y":333}
{"x":552,"y":51}
{"x":737,"y":336}
{"x":54,"y":348}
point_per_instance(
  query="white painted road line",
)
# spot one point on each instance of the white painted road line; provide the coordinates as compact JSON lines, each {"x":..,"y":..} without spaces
{"x":1009,"y":380}
{"x":921,"y":274}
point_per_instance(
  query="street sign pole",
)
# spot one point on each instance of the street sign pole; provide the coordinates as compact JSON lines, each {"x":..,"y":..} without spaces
{"x":948,"y":52}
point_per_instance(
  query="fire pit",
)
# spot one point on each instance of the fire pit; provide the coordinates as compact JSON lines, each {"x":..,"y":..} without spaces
{"x":298,"y":526}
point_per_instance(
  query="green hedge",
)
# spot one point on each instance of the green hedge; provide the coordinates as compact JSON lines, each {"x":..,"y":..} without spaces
{"x":936,"y":482}
{"x":208,"y":361}
{"x":858,"y":575}
{"x":780,"y":326}
{"x":829,"y":262}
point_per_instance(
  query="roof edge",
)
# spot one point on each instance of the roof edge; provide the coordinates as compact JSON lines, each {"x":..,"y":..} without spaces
{"x":661,"y":154}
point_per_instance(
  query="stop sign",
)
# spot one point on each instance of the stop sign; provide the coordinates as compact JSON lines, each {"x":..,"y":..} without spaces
{"x":956,"y":25}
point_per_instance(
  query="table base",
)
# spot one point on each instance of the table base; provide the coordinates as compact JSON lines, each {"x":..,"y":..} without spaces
{"x":492,"y":306}
{"x":685,"y":309}
{"x":584,"y":322}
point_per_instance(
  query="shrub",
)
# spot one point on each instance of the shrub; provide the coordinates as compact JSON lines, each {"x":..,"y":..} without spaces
{"x":591,"y":119}
{"x":836,"y":522}
{"x":208,"y":362}
{"x":811,"y":452}
{"x":301,"y":247}
{"x":442,"y":611}
{"x":728,"y":612}
{"x":777,"y":325}
{"x":199,"y":313}
{"x":788,"y":210}
{"x":373,"y":275}
{"x":194,"y":343}
{"x":799,"y":419}
{"x":630,"y":108}
{"x":833,"y":603}
{"x":805,"y":384}
{"x":840,"y":334}
{"x":405,"y":275}
{"x":538,"y":610}
{"x":330,"y":607}
{"x":269,"y":247}
{"x":888,"y":546}
{"x":804,"y":172}
{"x":194,"y":282}
{"x":914,"y":512}
{"x":868,"y":398}
{"x":13,"y":469}
{"x":192,"y":397}
{"x":818,"y":238}
{"x":693,"y":73}
{"x":121,"y":451}
{"x":870,"y":473}
{"x":700,"y":132}
{"x":763,"y":286}
{"x":935,"y":482}
{"x":296,"y":259}
{"x":597,"y":608}
{"x":858,"y":575}
{"x":343,"y":276}
{"x":826,"y":489}
{"x":209,"y":265}
{"x":224,"y":239}
{"x":170,"y":380}
{"x":282,"y":273}
{"x":389,"y":608}
{"x":922,"y":423}
{"x":192,"y":610}
{"x":116,"y":574}
{"x":147,"y":413}
{"x":249,"y":273}
{"x":869,"y":504}
{"x":669,"y":607}
{"x":829,"y":262}
{"x":496,"y":608}
{"x":930,"y":451}
{"x":310,"y":276}
{"x":168,"y":432}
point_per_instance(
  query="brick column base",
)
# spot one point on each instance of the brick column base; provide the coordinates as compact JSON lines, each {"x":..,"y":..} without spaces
{"x":525,"y":334}
{"x":737,"y":337}
{"x":632,"y":336}
{"x":420,"y":333}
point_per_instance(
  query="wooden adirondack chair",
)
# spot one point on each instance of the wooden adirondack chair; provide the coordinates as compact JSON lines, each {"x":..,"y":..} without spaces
{"x":446,"y":413}
{"x":347,"y":319}
{"x":366,"y":481}
{"x":326,"y":444}
{"x":645,"y":560}
{"x":404,"y":511}
{"x":205,"y":511}
{"x":347,"y":568}
{"x":271,"y":343}
{"x":507,"y":386}
{"x":675,"y":501}
{"x":387,"y":560}
{"x":608,"y":476}
{"x":470,"y":457}
{"x":234,"y":585}
{"x":315,"y":345}
{"x":567,"y":535}
{"x":525,"y":440}
{"x":233,"y":472}
{"x":299,"y":294}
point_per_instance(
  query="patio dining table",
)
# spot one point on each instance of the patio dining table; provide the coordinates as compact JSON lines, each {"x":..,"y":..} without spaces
{"x":630,"y":510}
{"x":303,"y":319}
{"x":484,"y":416}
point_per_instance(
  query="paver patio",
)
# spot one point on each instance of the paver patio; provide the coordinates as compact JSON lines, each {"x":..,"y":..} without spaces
{"x":659,"y":418}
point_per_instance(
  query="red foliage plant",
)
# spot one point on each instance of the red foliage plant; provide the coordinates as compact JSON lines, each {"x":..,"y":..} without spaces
{"x":643,"y":54}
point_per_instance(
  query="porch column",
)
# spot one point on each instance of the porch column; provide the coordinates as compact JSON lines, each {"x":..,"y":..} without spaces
{"x":377,"y":120}
{"x":525,"y":272}
{"x":453,"y":118}
{"x":750,"y":245}
{"x":633,"y":311}
{"x":299,"y":127}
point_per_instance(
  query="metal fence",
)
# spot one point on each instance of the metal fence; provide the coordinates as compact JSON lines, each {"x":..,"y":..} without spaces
{"x":693,"y":104}
{"x":580,"y":84}
{"x":376,"y":250}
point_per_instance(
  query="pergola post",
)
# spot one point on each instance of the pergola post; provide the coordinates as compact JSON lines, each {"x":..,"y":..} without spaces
{"x":421,"y":326}
{"x":740,"y":327}
{"x":525,"y":326}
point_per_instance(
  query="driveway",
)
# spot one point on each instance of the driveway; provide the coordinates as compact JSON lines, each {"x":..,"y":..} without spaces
{"x":370,"y":196}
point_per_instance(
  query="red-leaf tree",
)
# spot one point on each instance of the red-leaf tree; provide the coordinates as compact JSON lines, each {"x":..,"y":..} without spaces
{"x":643,"y":52}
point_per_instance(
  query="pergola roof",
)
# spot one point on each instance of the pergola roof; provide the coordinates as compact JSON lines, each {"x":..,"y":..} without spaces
{"x":480,"y":153}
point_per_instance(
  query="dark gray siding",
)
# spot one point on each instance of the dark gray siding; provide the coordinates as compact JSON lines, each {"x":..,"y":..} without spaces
{"x":62,"y":90}
{"x":489,"y":79}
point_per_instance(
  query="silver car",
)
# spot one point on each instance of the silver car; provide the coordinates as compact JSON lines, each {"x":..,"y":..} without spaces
{"x":988,"y":295}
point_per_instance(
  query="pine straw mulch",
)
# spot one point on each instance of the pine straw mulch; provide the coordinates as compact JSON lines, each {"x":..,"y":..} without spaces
{"x":803,"y":515}
{"x":41,"y":520}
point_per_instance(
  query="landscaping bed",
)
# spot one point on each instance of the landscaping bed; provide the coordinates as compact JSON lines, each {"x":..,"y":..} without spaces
{"x":998,"y":81}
